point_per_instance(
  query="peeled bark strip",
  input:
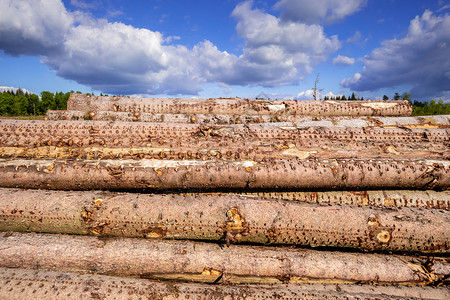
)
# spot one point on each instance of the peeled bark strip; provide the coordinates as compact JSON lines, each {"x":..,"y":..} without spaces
{"x":238,"y":106}
{"x":438,"y":121}
{"x":200,"y":261}
{"x":153,"y":174}
{"x":30,"y":284}
{"x":227,"y":218}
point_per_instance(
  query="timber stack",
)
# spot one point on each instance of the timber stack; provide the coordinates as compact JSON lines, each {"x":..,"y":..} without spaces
{"x":225,"y":198}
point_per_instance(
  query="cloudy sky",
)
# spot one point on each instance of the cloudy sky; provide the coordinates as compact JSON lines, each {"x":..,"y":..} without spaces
{"x":204,"y":48}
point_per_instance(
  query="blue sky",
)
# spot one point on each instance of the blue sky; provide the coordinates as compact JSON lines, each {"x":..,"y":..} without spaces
{"x":201,"y":48}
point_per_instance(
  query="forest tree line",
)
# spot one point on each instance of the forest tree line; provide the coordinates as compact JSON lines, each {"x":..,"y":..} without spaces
{"x":20,"y":103}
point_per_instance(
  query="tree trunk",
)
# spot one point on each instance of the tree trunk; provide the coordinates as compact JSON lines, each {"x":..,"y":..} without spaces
{"x":225,"y":218}
{"x":381,"y":198}
{"x":239,"y":106}
{"x":30,"y":284}
{"x":307,"y":174}
{"x":201,"y":261}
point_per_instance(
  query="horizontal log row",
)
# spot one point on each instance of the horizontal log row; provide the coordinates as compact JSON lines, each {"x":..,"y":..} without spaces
{"x":194,"y":261}
{"x":381,"y":198}
{"x":233,"y":152}
{"x":225,"y":218}
{"x":104,"y":140}
{"x":33,"y":284}
{"x":144,"y":132}
{"x":187,"y":151}
{"x":440,"y":121}
{"x":238,"y":106}
{"x":336,"y":174}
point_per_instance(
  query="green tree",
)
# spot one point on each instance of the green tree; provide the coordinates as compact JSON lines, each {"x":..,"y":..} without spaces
{"x":397,"y":96}
{"x":20,"y":105}
{"x":406,"y":96}
{"x":47,"y":102}
{"x":385,"y":97}
{"x":430,"y":108}
{"x":33,"y":105}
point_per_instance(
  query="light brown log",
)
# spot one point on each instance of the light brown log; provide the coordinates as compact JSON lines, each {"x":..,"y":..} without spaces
{"x":438,"y":121}
{"x":194,"y":261}
{"x":335,"y":174}
{"x":236,"y":151}
{"x":238,"y":106}
{"x":225,"y":218}
{"x":30,"y":284}
{"x":93,"y":140}
{"x":29,"y":130}
{"x":381,"y":198}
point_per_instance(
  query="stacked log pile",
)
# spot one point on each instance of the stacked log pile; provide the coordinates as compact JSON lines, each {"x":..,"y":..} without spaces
{"x":225,"y":198}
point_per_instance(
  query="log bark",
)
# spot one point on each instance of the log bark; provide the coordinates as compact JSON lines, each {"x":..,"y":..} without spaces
{"x":381,"y":198}
{"x":199,"y":261}
{"x":30,"y":284}
{"x":238,"y":106}
{"x":438,"y":121}
{"x":150,"y":174}
{"x":93,"y":140}
{"x":225,"y":218}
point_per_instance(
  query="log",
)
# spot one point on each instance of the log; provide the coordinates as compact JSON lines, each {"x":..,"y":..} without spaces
{"x":195,"y":261}
{"x":438,"y":121}
{"x":294,"y":174}
{"x":238,"y":106}
{"x":30,"y":284}
{"x":225,"y":218}
{"x":381,"y":198}
{"x":93,"y":140}
{"x":236,"y":151}
{"x":30,"y":130}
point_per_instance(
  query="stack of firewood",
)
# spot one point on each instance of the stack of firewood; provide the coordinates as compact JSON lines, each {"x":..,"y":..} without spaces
{"x":122,"y":197}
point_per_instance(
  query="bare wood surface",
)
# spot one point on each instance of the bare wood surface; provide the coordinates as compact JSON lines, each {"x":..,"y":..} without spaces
{"x":30,"y":284}
{"x":238,"y":106}
{"x":225,"y":218}
{"x":200,"y":261}
{"x":151,"y":174}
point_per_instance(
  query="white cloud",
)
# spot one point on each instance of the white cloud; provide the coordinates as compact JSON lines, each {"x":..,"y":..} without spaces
{"x":121,"y":59}
{"x":33,"y":27}
{"x":305,"y":95}
{"x":109,"y":47}
{"x":318,"y":11}
{"x":351,"y":81}
{"x":420,"y":58}
{"x":13,"y":89}
{"x":276,"y":52}
{"x":343,"y":60}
